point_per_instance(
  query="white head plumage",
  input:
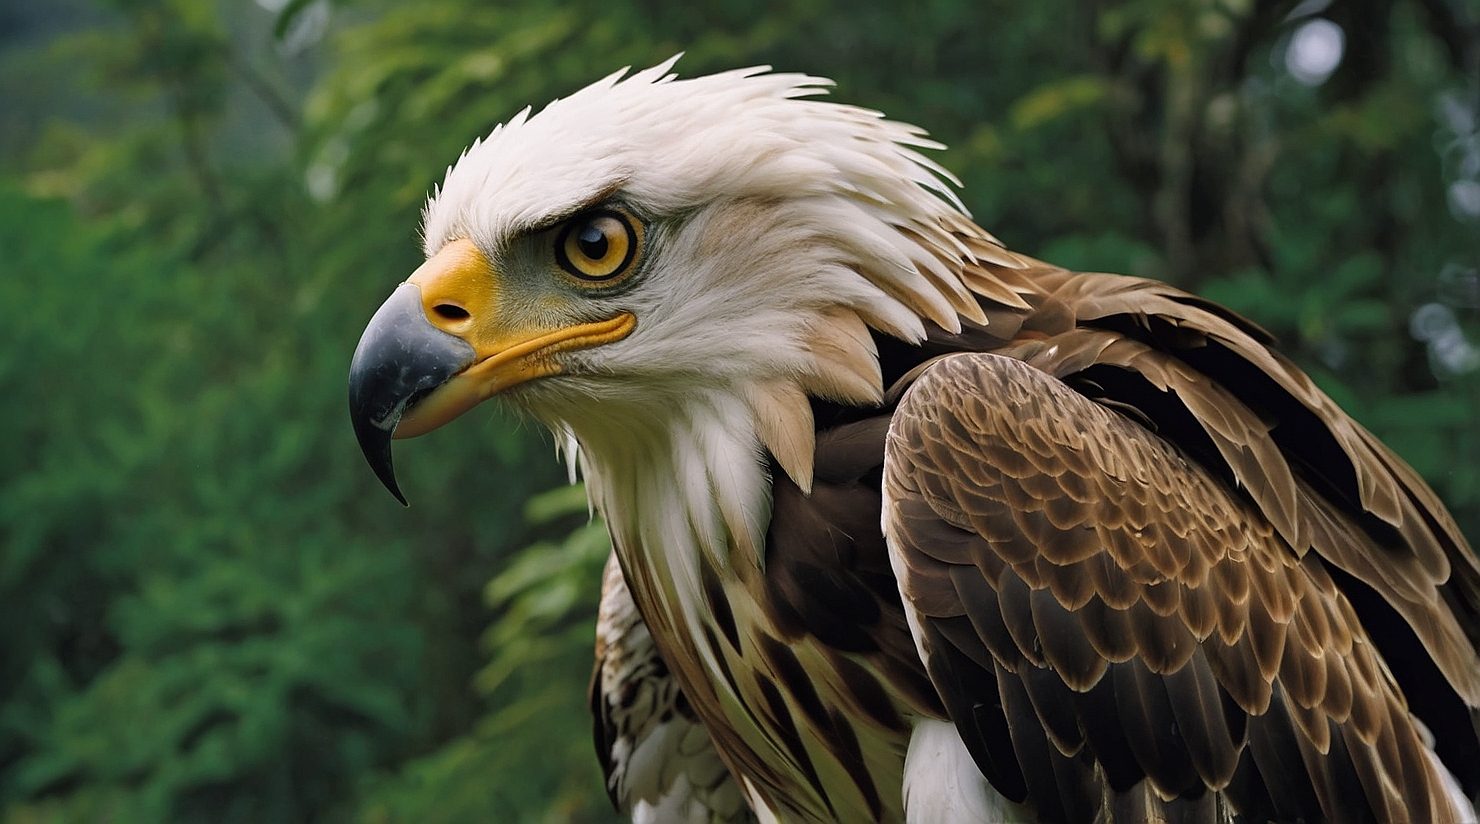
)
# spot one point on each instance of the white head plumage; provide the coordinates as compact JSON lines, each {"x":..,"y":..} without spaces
{"x":781,"y":229}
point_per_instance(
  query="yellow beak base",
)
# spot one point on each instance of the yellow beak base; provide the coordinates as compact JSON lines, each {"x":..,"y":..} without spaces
{"x":523,"y":361}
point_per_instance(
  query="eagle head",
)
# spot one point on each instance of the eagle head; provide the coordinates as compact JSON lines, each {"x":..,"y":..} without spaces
{"x":650,"y":250}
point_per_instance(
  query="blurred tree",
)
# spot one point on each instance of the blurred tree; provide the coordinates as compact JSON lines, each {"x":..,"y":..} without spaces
{"x":212,"y":611}
{"x":216,"y":617}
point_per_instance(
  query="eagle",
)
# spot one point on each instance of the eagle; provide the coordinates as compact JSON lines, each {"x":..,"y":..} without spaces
{"x":909,"y":527}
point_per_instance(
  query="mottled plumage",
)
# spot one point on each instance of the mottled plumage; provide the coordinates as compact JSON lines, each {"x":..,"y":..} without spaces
{"x":909,"y":527}
{"x":659,"y":763}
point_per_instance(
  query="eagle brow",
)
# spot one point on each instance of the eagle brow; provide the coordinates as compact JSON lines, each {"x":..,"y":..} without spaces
{"x":554,"y":219}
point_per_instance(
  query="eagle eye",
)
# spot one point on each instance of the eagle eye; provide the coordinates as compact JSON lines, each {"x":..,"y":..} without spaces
{"x":598,"y":245}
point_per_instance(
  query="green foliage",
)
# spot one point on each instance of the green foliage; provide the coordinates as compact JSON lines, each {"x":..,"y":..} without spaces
{"x":536,"y":738}
{"x":214,"y":613}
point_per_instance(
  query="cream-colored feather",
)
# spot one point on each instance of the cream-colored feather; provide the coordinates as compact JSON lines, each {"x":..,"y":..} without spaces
{"x":784,"y":423}
{"x":845,"y":363}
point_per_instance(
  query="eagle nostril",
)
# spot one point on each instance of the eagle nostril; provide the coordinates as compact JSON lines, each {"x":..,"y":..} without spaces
{"x":450,"y":312}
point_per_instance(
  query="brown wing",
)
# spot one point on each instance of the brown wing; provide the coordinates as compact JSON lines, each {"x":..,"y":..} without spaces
{"x":1099,"y":607}
{"x":659,"y":761}
{"x":1206,"y":379}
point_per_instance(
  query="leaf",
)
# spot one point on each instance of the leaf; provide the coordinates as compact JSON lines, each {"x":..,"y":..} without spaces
{"x":287,"y":15}
{"x":1057,"y":99}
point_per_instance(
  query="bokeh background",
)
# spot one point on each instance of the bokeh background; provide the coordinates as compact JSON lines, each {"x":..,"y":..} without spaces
{"x":211,"y":612}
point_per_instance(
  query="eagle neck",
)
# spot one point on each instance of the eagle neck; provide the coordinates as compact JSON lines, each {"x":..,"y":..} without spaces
{"x":682,"y":489}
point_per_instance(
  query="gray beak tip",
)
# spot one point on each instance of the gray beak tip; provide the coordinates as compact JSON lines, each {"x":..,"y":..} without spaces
{"x":375,"y":443}
{"x":400,"y":357}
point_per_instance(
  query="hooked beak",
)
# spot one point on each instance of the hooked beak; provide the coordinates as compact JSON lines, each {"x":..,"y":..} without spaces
{"x":401,"y":357}
{"x":442,"y":344}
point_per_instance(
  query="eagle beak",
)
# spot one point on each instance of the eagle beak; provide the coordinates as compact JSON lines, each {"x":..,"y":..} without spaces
{"x":441,"y":345}
{"x":401,"y":357}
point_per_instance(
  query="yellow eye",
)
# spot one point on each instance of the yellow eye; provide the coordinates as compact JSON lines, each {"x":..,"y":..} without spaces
{"x":597,"y":246}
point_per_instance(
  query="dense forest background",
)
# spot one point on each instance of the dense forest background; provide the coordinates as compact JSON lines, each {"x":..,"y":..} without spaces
{"x":211,"y":611}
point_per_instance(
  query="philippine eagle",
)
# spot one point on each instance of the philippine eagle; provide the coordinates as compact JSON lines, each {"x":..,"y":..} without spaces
{"x":909,"y":527}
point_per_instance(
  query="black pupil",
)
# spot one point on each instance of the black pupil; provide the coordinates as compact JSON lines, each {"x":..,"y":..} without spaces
{"x":592,"y":242}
